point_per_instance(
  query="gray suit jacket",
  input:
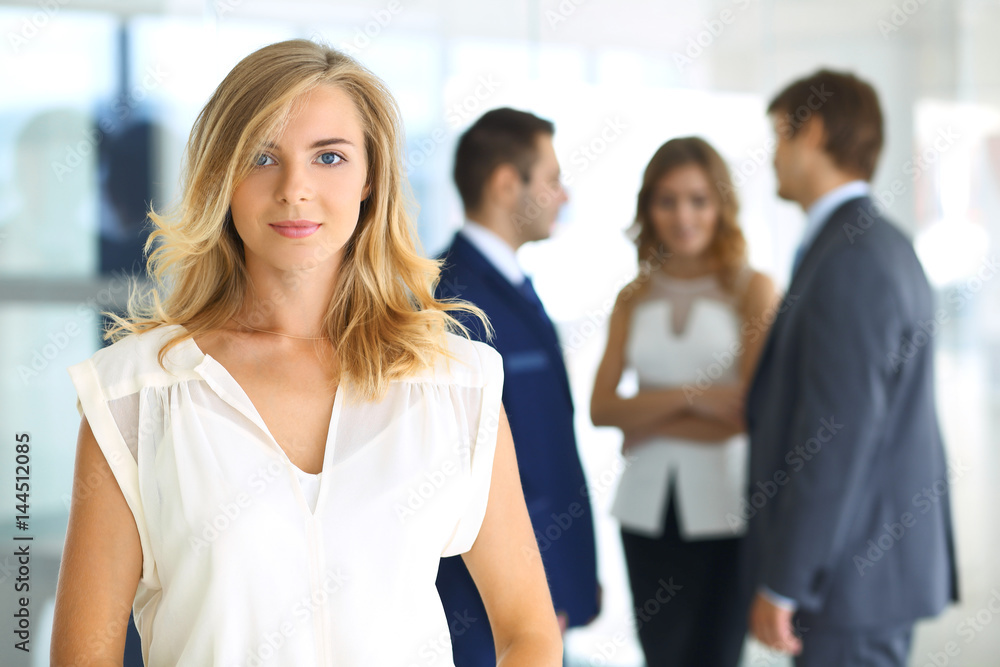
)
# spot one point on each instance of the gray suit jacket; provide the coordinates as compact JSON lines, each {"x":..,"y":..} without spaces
{"x":848,"y":502}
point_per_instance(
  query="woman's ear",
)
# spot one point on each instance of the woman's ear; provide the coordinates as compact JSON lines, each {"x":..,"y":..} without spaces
{"x":367,"y":191}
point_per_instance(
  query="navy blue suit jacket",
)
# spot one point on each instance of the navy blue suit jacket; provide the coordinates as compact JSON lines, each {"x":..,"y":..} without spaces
{"x":536,"y":396}
{"x":849,"y":510}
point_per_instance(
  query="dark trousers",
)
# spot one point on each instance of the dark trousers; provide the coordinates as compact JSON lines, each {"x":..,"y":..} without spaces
{"x":686,"y":599}
{"x":868,"y":647}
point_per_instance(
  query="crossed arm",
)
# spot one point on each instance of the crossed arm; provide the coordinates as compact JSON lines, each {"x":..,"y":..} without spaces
{"x":704,"y":415}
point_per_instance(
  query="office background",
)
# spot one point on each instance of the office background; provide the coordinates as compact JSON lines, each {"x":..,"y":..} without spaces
{"x":98,"y":98}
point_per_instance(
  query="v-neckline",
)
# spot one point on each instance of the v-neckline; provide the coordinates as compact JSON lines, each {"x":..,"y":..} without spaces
{"x":693,"y":289}
{"x":237,"y":397}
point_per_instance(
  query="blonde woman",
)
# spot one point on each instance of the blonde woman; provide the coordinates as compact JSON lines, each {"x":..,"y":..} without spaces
{"x":287,"y":434}
{"x":692,"y":326}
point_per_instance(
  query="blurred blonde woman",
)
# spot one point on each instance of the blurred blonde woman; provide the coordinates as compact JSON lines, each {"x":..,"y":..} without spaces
{"x":691,"y":325}
{"x":288,"y":433}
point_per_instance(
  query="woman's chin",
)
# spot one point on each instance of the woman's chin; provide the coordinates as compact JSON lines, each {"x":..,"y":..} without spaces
{"x":687,"y":251}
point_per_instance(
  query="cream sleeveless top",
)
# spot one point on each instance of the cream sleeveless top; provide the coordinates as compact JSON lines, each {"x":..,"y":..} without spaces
{"x":247,"y":560}
{"x":684,"y":334}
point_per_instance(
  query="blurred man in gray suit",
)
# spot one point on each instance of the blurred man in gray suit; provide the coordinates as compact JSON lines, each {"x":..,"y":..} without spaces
{"x":850,"y":531}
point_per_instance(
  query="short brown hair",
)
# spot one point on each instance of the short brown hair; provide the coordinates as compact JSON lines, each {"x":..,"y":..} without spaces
{"x":728,"y":246}
{"x":500,"y":136}
{"x":850,"y":112}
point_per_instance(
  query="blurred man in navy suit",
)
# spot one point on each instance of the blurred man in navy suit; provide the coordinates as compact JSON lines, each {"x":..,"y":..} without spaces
{"x":507,"y":175}
{"x":850,"y":533}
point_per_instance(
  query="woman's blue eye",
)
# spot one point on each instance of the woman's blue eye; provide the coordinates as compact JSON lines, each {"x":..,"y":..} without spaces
{"x":325,"y":158}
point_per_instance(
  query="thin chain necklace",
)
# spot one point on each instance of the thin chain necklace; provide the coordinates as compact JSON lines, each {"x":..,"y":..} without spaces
{"x":278,"y":333}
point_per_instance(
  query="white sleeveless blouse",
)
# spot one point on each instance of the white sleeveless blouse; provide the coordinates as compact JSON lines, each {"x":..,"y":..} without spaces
{"x":709,"y":477}
{"x":247,"y":560}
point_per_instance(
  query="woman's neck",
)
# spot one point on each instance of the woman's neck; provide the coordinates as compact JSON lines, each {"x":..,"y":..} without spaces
{"x":290,"y":302}
{"x":689,"y":267}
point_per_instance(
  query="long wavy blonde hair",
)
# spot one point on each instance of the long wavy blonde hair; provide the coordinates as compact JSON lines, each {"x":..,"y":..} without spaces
{"x":383,"y":319}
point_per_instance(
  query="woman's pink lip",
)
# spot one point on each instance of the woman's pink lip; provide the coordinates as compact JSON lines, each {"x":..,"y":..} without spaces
{"x":295,"y":230}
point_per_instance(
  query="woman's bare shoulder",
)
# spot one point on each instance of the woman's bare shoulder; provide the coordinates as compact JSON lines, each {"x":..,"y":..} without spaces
{"x":759,"y":295}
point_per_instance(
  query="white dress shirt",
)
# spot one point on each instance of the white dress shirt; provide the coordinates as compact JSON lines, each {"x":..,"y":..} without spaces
{"x":821,"y":210}
{"x":495,"y":249}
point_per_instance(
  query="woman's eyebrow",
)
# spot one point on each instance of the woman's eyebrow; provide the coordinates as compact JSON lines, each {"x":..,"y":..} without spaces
{"x":316,"y":144}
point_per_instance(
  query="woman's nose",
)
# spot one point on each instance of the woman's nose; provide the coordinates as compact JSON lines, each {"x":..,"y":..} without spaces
{"x":294,"y":184}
